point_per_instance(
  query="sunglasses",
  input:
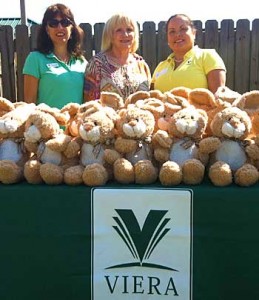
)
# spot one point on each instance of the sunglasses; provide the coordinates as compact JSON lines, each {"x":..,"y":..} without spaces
{"x":63,"y":22}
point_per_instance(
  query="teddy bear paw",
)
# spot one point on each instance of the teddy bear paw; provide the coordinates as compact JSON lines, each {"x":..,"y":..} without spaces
{"x":170,"y":174}
{"x":95,"y":175}
{"x":220,"y":174}
{"x":193,"y":171}
{"x":145,"y":172}
{"x":123,"y":171}
{"x":10,"y":172}
{"x":51,"y":174}
{"x":74,"y":175}
{"x":32,"y":172}
{"x":247,"y":175}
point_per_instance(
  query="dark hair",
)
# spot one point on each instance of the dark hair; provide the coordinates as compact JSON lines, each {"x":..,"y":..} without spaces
{"x":44,"y":43}
{"x":180,"y":15}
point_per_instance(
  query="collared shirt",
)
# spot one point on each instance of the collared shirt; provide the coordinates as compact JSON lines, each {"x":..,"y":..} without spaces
{"x":191,"y":73}
{"x":59,"y":82}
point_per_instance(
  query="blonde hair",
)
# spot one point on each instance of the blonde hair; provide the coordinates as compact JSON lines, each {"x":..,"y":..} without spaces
{"x":115,"y":21}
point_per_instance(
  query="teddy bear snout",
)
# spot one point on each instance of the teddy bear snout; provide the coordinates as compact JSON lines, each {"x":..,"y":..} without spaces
{"x":136,"y":130}
{"x":8,"y":126}
{"x":233,"y":130}
{"x":32,"y":134}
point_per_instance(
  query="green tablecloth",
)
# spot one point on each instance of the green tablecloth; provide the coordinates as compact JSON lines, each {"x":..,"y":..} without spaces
{"x":46,"y":242}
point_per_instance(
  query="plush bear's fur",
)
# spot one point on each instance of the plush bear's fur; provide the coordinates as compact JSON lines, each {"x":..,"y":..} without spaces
{"x":134,"y":128}
{"x":53,"y":151}
{"x":178,"y":150}
{"x":229,"y":159}
{"x":96,"y":132}
{"x":13,"y":154}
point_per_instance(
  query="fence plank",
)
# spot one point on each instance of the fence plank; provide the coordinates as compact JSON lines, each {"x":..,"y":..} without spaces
{"x":22,"y":49}
{"x":242,"y":57}
{"x":98,"y":31}
{"x":88,"y":44}
{"x":7,"y":62}
{"x":149,"y":44}
{"x":211,"y":37}
{"x":227,"y":49}
{"x":254,"y":69}
{"x":33,"y":37}
{"x":199,"y":39}
{"x":162,"y":47}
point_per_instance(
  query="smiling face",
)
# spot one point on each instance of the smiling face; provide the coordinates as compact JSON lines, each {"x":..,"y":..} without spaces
{"x":180,"y":34}
{"x":123,"y":37}
{"x":61,"y":32}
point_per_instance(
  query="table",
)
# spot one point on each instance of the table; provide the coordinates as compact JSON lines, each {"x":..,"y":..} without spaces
{"x":46,"y":242}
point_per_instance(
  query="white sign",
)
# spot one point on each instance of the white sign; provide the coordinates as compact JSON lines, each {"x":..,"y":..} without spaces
{"x":141,"y":244}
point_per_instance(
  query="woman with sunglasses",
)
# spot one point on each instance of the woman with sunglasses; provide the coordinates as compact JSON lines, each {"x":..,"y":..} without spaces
{"x":188,"y":65}
{"x":54,"y":74}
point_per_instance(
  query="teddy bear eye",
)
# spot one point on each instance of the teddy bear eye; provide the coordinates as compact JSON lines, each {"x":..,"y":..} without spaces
{"x":95,"y":123}
{"x":192,"y":117}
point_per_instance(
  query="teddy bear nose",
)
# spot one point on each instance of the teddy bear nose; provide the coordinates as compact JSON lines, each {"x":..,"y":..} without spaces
{"x":133,"y":123}
{"x":88,"y":127}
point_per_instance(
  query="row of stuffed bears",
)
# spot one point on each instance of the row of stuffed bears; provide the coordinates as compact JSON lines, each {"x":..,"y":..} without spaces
{"x":173,"y":137}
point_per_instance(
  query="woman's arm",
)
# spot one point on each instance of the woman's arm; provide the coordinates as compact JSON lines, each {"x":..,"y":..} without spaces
{"x":30,"y":88}
{"x":216,"y":78}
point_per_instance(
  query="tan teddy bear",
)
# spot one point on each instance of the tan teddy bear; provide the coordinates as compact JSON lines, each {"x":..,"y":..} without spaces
{"x":13,"y":154}
{"x":178,"y":150}
{"x":229,"y":160}
{"x":53,"y":151}
{"x":134,"y":128}
{"x":97,"y":133}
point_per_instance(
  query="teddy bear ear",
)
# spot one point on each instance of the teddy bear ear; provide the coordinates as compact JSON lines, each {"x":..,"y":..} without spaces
{"x":181,"y":91}
{"x":139,"y":95}
{"x":176,"y":100}
{"x":71,"y":108}
{"x":248,"y":102}
{"x":153,"y":105}
{"x":202,"y":96}
{"x":157,"y":94}
{"x":226,"y":95}
{"x":112,"y":100}
{"x":61,"y":118}
{"x":89,"y":108}
{"x":5,"y":106}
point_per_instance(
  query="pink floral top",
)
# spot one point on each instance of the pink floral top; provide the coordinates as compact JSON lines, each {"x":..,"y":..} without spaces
{"x":103,"y":74}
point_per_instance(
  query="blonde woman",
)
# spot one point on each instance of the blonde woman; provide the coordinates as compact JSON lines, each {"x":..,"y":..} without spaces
{"x":117,"y":68}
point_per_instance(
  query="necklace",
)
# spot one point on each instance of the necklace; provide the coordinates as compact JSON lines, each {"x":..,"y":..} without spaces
{"x":65,"y":59}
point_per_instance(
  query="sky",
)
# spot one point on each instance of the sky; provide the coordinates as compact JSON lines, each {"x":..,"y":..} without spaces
{"x":95,"y":11}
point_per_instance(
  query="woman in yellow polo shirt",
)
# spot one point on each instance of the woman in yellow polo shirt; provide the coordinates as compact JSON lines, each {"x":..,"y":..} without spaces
{"x":188,"y":65}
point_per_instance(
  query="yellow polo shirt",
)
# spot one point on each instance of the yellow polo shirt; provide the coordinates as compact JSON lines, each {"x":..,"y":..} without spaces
{"x":190,"y":73}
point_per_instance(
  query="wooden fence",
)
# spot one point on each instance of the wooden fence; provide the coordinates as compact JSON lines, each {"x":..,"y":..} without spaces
{"x":238,"y":45}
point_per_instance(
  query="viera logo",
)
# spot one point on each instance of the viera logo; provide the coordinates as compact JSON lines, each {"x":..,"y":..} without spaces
{"x":141,"y":242}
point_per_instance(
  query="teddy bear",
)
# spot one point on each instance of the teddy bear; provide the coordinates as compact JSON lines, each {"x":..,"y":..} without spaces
{"x":178,"y":149}
{"x":52,"y":150}
{"x":230,"y":161}
{"x":96,"y":129}
{"x":13,"y":154}
{"x":134,"y":136}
